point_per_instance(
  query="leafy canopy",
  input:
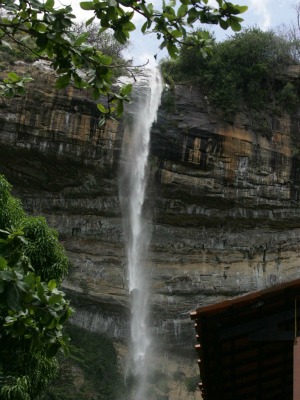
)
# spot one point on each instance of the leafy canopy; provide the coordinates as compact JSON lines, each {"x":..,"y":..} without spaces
{"x":32,"y":307}
{"x":52,"y":38}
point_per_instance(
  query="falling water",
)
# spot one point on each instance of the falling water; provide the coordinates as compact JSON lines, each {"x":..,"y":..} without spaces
{"x":133,"y":185}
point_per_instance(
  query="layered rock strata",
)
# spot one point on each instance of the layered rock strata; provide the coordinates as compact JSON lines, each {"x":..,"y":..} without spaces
{"x":224,"y":201}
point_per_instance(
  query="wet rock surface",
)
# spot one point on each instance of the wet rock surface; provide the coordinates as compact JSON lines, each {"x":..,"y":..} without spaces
{"x":223,"y":199}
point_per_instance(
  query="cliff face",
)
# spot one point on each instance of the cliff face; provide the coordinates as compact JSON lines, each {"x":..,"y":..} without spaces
{"x":228,"y":196}
{"x":224,"y":202}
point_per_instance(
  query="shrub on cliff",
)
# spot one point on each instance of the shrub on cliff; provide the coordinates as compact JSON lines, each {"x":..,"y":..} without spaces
{"x":243,"y":71}
{"x":32,"y":307}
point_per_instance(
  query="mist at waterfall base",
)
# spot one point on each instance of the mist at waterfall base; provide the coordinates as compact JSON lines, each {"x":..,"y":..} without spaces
{"x":133,"y":182}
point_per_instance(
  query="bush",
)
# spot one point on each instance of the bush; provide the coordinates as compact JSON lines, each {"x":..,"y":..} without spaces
{"x":32,"y":309}
{"x":243,"y":72}
{"x":11,"y":212}
{"x":46,"y":254}
{"x":288,"y":97}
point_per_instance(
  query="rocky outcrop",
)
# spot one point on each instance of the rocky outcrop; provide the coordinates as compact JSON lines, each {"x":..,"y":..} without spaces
{"x":224,"y":201}
{"x":231,"y":195}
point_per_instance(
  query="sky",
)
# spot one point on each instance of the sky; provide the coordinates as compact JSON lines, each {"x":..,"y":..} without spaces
{"x":266,"y":14}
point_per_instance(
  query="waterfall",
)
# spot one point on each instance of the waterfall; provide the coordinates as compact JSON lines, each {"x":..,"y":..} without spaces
{"x":133,"y":181}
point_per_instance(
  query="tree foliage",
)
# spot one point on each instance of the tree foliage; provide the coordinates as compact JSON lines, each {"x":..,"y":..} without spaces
{"x":291,"y":32}
{"x":51,"y":36}
{"x":32,"y":307}
{"x":243,"y":71}
{"x":104,"y":41}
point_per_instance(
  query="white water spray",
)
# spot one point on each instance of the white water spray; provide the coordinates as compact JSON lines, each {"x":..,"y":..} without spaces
{"x":133,"y":186}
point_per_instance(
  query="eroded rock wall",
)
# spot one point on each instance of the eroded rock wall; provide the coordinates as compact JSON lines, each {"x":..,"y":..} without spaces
{"x":224,"y":201}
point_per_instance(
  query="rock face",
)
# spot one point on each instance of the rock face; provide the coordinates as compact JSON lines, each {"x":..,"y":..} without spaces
{"x":224,"y":201}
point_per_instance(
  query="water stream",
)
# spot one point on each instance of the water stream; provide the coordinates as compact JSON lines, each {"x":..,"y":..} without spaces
{"x":133,"y":187}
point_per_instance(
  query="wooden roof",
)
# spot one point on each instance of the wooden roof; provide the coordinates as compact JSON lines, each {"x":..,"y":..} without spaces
{"x":245,"y":345}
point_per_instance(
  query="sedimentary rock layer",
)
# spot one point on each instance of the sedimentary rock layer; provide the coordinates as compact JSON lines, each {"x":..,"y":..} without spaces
{"x":224,"y":201}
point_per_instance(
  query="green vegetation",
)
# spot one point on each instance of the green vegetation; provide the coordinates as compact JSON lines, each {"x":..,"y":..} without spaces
{"x":106,"y":43}
{"x":32,"y":308}
{"x":91,"y":371}
{"x":245,"y":72}
{"x":49,"y":33}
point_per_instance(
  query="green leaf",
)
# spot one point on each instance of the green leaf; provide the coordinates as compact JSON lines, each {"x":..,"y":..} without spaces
{"x":41,"y":292}
{"x":150,"y":8}
{"x":128,"y":26}
{"x":172,"y":3}
{"x":81,"y":38}
{"x":55,"y":299}
{"x":96,"y":93}
{"x":170,"y":17}
{"x":176,"y":34}
{"x":78,"y":81}
{"x":49,"y":5}
{"x":52,"y":324}
{"x":182,"y":10}
{"x":126,"y":89}
{"x":163,"y":44}
{"x":40,"y":27}
{"x":120,"y":36}
{"x":30,"y":279}
{"x":52,"y":284}
{"x":102,"y":109}
{"x":3,"y":263}
{"x":13,"y":77}
{"x":224,"y":24}
{"x":42,"y":41}
{"x":52,"y":350}
{"x":65,"y":316}
{"x":89,"y":21}
{"x":242,"y":9}
{"x":87,"y":5}
{"x":144,"y":27}
{"x":63,"y":81}
{"x":103,"y":59}
{"x":172,"y":50}
{"x":235,"y":25}
{"x":120,"y":108}
{"x":192,"y":15}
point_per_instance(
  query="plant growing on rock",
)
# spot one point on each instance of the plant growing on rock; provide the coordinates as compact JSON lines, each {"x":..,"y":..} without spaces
{"x":245,"y":72}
